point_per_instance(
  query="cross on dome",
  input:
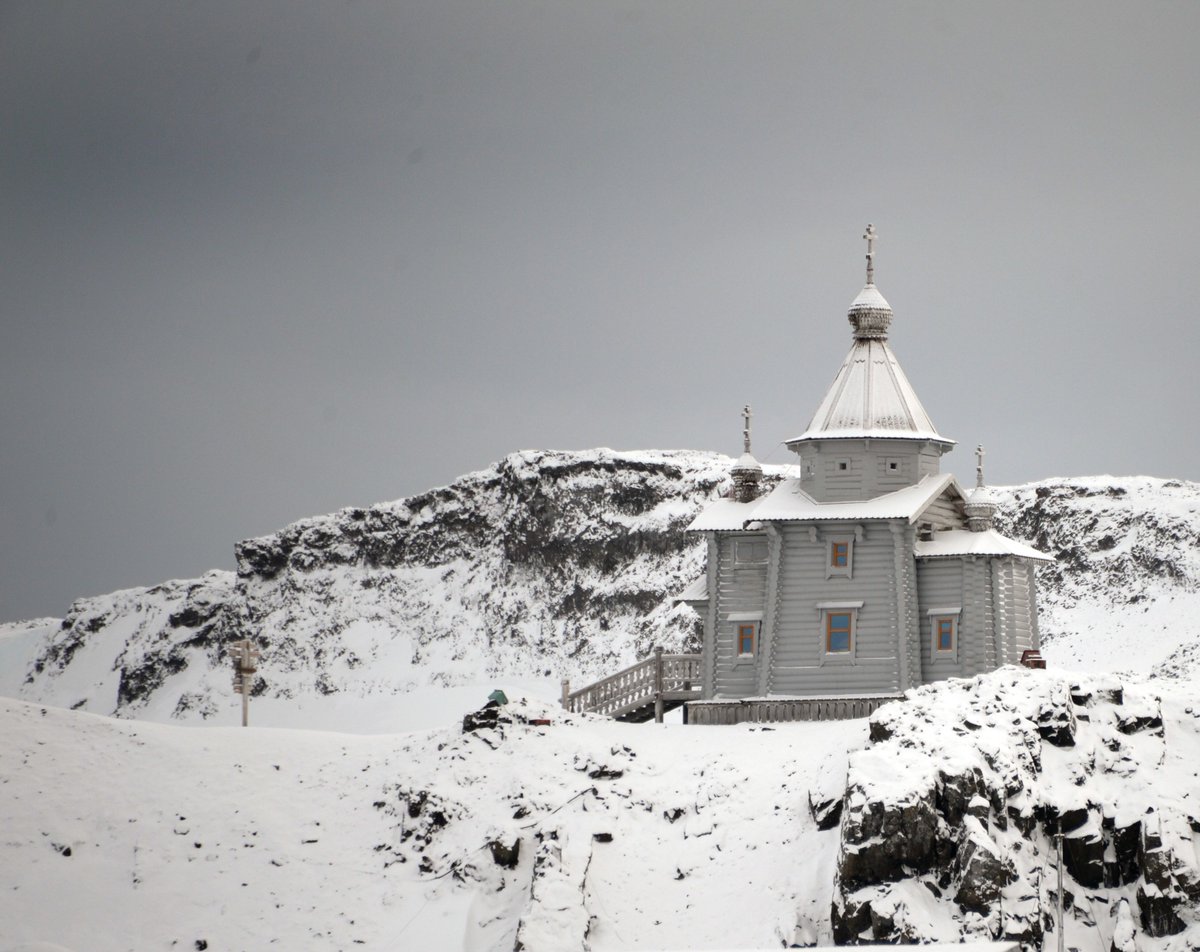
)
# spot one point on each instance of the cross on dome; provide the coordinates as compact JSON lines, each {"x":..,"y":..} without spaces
{"x":746,"y":414}
{"x":870,"y":237}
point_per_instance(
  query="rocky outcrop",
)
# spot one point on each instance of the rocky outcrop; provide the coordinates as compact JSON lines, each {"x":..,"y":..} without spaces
{"x":952,"y":812}
{"x":564,"y":564}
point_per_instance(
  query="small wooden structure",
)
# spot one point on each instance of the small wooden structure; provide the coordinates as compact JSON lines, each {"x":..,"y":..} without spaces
{"x":647,"y":689}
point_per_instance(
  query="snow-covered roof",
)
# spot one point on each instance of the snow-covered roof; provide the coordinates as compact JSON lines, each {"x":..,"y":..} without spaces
{"x":871,"y":398}
{"x":724,"y":515}
{"x":869,"y":296}
{"x":787,"y":502}
{"x":957,"y":542}
{"x":696,"y":592}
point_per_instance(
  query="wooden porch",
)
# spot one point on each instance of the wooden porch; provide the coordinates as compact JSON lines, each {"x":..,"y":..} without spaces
{"x":642,"y":691}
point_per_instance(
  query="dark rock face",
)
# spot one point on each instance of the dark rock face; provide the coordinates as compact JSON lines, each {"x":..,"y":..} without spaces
{"x":885,"y":844}
{"x":949,"y":836}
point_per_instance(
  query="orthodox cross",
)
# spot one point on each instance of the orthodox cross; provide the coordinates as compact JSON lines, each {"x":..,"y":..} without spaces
{"x":979,"y":454}
{"x":870,"y":236}
{"x":746,"y":427}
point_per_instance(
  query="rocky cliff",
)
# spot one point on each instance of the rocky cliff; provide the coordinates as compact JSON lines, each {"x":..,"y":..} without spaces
{"x":951,"y":814}
{"x":555,"y":564}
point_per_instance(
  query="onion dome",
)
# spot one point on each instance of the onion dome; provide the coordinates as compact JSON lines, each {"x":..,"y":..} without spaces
{"x":870,"y":314}
{"x":746,"y":472}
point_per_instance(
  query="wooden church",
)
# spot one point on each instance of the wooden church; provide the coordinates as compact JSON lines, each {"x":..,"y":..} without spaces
{"x":869,"y":572}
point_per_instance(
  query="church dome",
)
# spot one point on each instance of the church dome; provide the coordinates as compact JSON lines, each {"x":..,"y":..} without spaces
{"x":870,"y":314}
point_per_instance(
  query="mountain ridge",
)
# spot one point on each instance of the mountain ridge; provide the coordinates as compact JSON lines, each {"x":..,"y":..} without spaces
{"x":553,"y":564}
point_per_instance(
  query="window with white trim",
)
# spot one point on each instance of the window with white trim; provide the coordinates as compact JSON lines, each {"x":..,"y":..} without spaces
{"x":943,"y":633}
{"x":746,"y":627}
{"x":839,"y":629}
{"x":745,"y":639}
{"x":839,"y":557}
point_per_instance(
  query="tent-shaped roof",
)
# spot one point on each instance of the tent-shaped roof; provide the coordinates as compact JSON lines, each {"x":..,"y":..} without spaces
{"x":870,"y":396}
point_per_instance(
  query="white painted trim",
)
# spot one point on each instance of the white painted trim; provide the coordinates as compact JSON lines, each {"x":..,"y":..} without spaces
{"x":744,"y":616}
{"x":954,"y":610}
{"x":823,"y":606}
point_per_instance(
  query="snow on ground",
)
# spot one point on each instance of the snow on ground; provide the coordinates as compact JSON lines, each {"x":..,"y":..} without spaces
{"x":129,"y":835}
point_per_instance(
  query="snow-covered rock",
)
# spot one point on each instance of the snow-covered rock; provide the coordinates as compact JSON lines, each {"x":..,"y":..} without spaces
{"x":951,"y":813}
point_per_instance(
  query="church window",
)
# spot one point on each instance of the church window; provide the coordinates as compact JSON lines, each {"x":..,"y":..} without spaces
{"x":840,"y":558}
{"x":839,"y":632}
{"x":843,"y":465}
{"x":747,"y":632}
{"x":943,"y":632}
{"x":749,"y":550}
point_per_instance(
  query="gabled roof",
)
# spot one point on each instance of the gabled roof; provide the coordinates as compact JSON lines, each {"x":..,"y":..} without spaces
{"x":958,"y":542}
{"x":871,"y":398}
{"x":787,"y":502}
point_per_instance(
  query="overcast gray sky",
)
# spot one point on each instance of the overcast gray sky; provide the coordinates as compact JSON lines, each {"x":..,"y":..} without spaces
{"x":261,"y":261}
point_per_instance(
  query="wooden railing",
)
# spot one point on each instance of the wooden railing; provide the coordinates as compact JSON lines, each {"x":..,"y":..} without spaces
{"x":661,"y":681}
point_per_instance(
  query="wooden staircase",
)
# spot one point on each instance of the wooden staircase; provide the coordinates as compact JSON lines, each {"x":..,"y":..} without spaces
{"x":643,"y":691}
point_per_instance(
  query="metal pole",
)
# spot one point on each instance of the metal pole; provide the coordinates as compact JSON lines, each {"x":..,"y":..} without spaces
{"x":1059,"y":904}
{"x":658,"y":685}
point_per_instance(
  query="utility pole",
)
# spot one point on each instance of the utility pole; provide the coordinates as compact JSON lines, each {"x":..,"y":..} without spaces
{"x":245,"y":663}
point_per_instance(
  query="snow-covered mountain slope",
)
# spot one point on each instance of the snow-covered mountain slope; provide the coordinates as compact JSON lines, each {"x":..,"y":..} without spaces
{"x":547,"y":565}
{"x":587,"y":834}
{"x":1124,"y":593}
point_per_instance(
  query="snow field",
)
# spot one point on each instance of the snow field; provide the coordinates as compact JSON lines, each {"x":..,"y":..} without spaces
{"x":123,"y":835}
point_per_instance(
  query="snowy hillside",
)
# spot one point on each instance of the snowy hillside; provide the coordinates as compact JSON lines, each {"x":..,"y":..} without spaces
{"x":585,"y":834}
{"x":548,"y":564}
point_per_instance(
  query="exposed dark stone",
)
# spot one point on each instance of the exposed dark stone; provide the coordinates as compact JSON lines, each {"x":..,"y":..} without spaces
{"x":1056,"y":724}
{"x":1127,"y":845}
{"x":826,"y":812}
{"x":1084,"y":859}
{"x":881,"y":844}
{"x":1135,"y":724}
{"x":955,"y":793}
{"x":506,"y":856}
{"x":602,"y":837}
{"x":982,"y":876}
{"x":606,"y":773}
{"x":1157,"y":913}
{"x":486,"y":716}
{"x":880,"y":730}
